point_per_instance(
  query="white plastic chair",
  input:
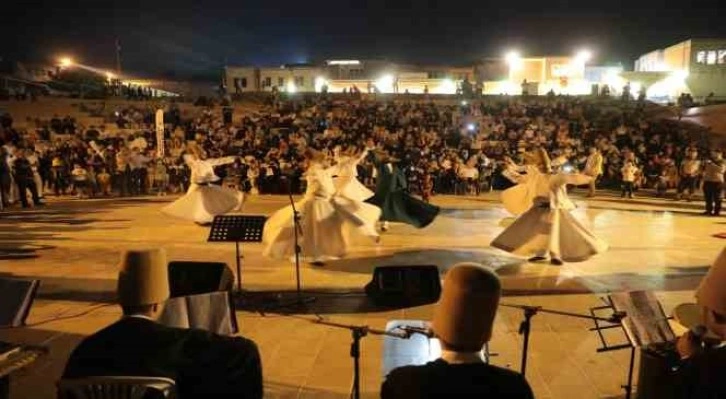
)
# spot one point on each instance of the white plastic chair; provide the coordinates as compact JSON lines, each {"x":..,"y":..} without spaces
{"x":116,"y":387}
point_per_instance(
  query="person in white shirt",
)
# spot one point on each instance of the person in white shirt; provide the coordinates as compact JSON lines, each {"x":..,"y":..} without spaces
{"x":80,"y":180}
{"x":628,"y":172}
{"x":689,"y":171}
{"x":139,"y":175}
{"x":593,"y":168}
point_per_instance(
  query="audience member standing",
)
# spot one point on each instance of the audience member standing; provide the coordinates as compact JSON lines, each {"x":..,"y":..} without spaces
{"x":713,"y":179}
{"x":123,"y":171}
{"x":628,"y":173}
{"x":5,"y":178}
{"x":688,"y":173}
{"x":25,"y":179}
{"x":593,"y":168}
{"x":139,"y":174}
{"x":81,"y":181}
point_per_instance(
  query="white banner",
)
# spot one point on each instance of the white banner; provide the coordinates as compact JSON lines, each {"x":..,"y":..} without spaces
{"x":160,"y":132}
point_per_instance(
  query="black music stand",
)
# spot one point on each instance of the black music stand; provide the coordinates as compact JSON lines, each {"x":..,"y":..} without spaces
{"x":237,"y":229}
{"x":526,"y":325}
{"x":646,"y":324}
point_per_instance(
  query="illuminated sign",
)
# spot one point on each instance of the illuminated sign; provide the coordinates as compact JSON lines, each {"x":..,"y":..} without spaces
{"x":343,"y":62}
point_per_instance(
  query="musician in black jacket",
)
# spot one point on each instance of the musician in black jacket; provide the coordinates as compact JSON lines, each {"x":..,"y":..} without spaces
{"x":700,"y":374}
{"x":463,"y":321}
{"x":204,"y":365}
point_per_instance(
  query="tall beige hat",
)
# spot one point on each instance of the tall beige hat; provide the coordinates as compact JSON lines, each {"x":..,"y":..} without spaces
{"x":143,"y":278}
{"x":464,"y":316}
{"x":711,"y":293}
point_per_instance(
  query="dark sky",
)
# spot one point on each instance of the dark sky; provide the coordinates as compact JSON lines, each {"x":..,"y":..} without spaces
{"x":195,"y":38}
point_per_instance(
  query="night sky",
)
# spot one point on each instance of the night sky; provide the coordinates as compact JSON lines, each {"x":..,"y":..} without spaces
{"x":186,"y":39}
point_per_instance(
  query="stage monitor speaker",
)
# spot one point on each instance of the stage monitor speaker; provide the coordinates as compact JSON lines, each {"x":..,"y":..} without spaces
{"x":192,"y":278}
{"x":404,"y":285}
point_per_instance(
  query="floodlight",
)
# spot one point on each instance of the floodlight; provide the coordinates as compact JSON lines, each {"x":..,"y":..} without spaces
{"x":385,"y":83}
{"x":448,"y":86}
{"x":583,"y":56}
{"x":319,"y":83}
{"x":514,"y":60}
{"x":680,"y":74}
{"x":291,"y":88}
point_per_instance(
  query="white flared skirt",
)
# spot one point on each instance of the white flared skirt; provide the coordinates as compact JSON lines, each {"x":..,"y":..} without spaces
{"x":542,"y":231}
{"x":351,"y":187}
{"x":327,"y":227}
{"x":202,"y":203}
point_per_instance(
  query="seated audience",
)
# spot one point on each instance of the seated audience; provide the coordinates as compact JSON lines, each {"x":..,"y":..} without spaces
{"x":204,"y":365}
{"x":463,"y":321}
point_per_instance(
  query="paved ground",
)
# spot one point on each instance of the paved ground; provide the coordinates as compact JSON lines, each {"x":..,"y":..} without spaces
{"x":73,"y":247}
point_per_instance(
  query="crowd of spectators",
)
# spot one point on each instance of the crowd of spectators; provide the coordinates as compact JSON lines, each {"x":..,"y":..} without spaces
{"x":456,"y":148}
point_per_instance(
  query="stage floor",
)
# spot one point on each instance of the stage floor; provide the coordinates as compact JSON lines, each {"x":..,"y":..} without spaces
{"x":73,"y":247}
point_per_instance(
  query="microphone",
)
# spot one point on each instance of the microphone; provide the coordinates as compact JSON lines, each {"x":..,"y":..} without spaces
{"x":410,"y":330}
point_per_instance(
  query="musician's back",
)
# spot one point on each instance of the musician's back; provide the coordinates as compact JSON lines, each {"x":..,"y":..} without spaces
{"x":439,"y":379}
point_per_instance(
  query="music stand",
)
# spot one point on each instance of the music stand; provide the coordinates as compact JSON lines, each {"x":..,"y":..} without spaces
{"x":529,"y":311}
{"x":645,"y":324}
{"x":237,"y":229}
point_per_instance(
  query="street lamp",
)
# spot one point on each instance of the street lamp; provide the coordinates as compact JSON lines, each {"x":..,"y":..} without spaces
{"x":384,"y":84}
{"x":514,"y":60}
{"x":583,"y":56}
{"x":65,"y":62}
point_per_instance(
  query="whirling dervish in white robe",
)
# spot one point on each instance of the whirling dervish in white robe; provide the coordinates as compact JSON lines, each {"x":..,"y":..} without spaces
{"x":328,"y":222}
{"x":545,"y":227}
{"x":204,"y":200}
{"x":345,"y":174}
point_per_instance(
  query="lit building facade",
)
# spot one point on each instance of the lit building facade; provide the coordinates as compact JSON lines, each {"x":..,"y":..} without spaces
{"x":695,"y":66}
{"x":541,"y":75}
{"x":289,"y":78}
{"x":509,"y":75}
{"x":343,"y":75}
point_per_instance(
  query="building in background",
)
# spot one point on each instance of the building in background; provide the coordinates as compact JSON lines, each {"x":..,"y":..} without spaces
{"x":542,"y":75}
{"x":513,"y":75}
{"x":695,"y":66}
{"x":345,"y":74}
{"x":291,"y":78}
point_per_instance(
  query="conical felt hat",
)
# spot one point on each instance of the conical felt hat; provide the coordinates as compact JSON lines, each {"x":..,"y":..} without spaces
{"x":464,"y":316}
{"x":143,"y":278}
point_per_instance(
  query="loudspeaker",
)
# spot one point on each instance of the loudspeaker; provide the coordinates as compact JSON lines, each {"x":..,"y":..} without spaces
{"x":192,"y":278}
{"x":404,"y":285}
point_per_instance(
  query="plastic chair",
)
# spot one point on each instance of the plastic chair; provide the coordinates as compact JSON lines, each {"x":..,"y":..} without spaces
{"x":117,"y":387}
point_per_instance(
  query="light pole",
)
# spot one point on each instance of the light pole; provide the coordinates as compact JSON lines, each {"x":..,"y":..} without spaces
{"x":118,"y":57}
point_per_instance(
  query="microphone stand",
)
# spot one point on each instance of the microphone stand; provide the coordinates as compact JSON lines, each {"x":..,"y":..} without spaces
{"x":357,"y":333}
{"x":299,"y":300}
{"x":530,"y":311}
